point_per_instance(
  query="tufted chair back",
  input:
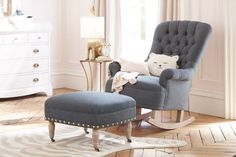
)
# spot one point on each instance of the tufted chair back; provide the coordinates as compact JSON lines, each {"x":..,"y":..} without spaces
{"x":183,"y":38}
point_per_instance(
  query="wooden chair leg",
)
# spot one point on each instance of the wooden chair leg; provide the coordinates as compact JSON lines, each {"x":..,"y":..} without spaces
{"x":129,"y":131}
{"x":95,"y":136}
{"x":180,"y":116}
{"x":156,"y":115}
{"x":138,"y":111}
{"x":51,"y":128}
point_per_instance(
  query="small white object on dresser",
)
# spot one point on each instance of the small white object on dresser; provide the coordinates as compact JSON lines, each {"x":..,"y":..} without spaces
{"x":25,"y":61}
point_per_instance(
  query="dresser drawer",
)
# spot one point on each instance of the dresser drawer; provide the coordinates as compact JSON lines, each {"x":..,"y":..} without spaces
{"x":23,"y":51}
{"x":23,"y":81}
{"x":38,"y":37}
{"x":19,"y":66}
{"x":38,"y":51}
{"x":15,"y":39}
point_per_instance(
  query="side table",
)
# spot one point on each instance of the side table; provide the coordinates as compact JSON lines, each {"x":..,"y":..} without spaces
{"x":89,"y":72}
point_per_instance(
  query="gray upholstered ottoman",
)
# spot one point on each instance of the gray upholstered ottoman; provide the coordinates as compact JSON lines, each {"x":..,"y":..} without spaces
{"x":90,"y":110}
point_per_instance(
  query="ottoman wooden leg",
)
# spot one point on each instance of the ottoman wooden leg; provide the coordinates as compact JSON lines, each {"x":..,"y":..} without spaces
{"x":128,"y":131}
{"x":95,"y":136}
{"x":51,"y":127}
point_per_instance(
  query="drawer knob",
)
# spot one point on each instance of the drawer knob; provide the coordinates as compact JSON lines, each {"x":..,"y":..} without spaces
{"x":36,"y":65}
{"x":35,"y":80}
{"x":36,"y":50}
{"x":39,"y":37}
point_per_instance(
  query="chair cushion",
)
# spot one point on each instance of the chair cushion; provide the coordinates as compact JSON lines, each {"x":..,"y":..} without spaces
{"x":146,"y":91}
{"x":90,"y":109}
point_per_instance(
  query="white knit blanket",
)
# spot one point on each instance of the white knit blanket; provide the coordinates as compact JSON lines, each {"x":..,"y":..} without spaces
{"x":121,"y":78}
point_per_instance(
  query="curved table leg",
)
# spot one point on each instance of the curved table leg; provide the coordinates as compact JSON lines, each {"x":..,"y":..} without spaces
{"x":91,"y":76}
{"x":86,"y":75}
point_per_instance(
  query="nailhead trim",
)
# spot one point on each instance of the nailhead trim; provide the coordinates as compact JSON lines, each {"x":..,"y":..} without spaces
{"x":87,"y":125}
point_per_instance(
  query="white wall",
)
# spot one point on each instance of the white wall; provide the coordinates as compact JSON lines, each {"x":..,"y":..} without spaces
{"x":74,"y":47}
{"x":207,"y":94}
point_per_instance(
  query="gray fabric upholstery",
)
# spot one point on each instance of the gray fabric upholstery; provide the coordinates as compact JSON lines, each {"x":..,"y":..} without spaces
{"x":114,"y":68}
{"x":147,"y":91}
{"x":90,"y":108}
{"x":187,"y":39}
{"x":175,"y":74}
{"x":183,"y":38}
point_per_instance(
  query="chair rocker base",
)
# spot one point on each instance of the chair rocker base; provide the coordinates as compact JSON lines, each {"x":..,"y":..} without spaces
{"x":154,"y":118}
{"x":170,"y":125}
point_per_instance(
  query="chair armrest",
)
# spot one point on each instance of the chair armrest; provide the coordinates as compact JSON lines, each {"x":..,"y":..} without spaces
{"x":175,"y":74}
{"x":114,"y":67}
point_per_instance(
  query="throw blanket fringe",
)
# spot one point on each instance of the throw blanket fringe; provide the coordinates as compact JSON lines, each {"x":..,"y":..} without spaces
{"x":121,"y":78}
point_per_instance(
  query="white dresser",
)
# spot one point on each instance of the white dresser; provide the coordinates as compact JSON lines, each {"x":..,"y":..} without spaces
{"x":25,"y":61}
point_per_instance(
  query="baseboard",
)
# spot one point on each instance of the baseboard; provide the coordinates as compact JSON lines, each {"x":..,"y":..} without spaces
{"x":207,"y":102}
{"x":207,"y":93}
{"x":68,"y":80}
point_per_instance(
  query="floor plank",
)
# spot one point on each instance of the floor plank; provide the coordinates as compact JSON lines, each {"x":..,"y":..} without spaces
{"x":206,"y":136}
{"x":233,"y":126}
{"x":136,"y":153}
{"x":185,"y":137}
{"x":149,"y":152}
{"x":228,"y":132}
{"x":125,"y":153}
{"x":217,"y":134}
{"x":195,"y":137}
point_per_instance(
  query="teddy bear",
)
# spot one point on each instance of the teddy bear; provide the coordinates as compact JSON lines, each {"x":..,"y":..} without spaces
{"x":159,"y":62}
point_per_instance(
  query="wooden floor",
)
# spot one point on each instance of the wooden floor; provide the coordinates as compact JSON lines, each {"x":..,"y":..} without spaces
{"x":207,"y":137}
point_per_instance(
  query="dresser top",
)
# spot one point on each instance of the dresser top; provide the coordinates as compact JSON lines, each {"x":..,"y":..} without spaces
{"x":8,"y":28}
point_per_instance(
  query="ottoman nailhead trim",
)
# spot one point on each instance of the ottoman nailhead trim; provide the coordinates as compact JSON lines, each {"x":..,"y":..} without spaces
{"x":90,"y":126}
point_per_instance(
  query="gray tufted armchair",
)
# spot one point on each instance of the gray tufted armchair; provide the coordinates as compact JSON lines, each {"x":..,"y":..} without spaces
{"x":170,"y":91}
